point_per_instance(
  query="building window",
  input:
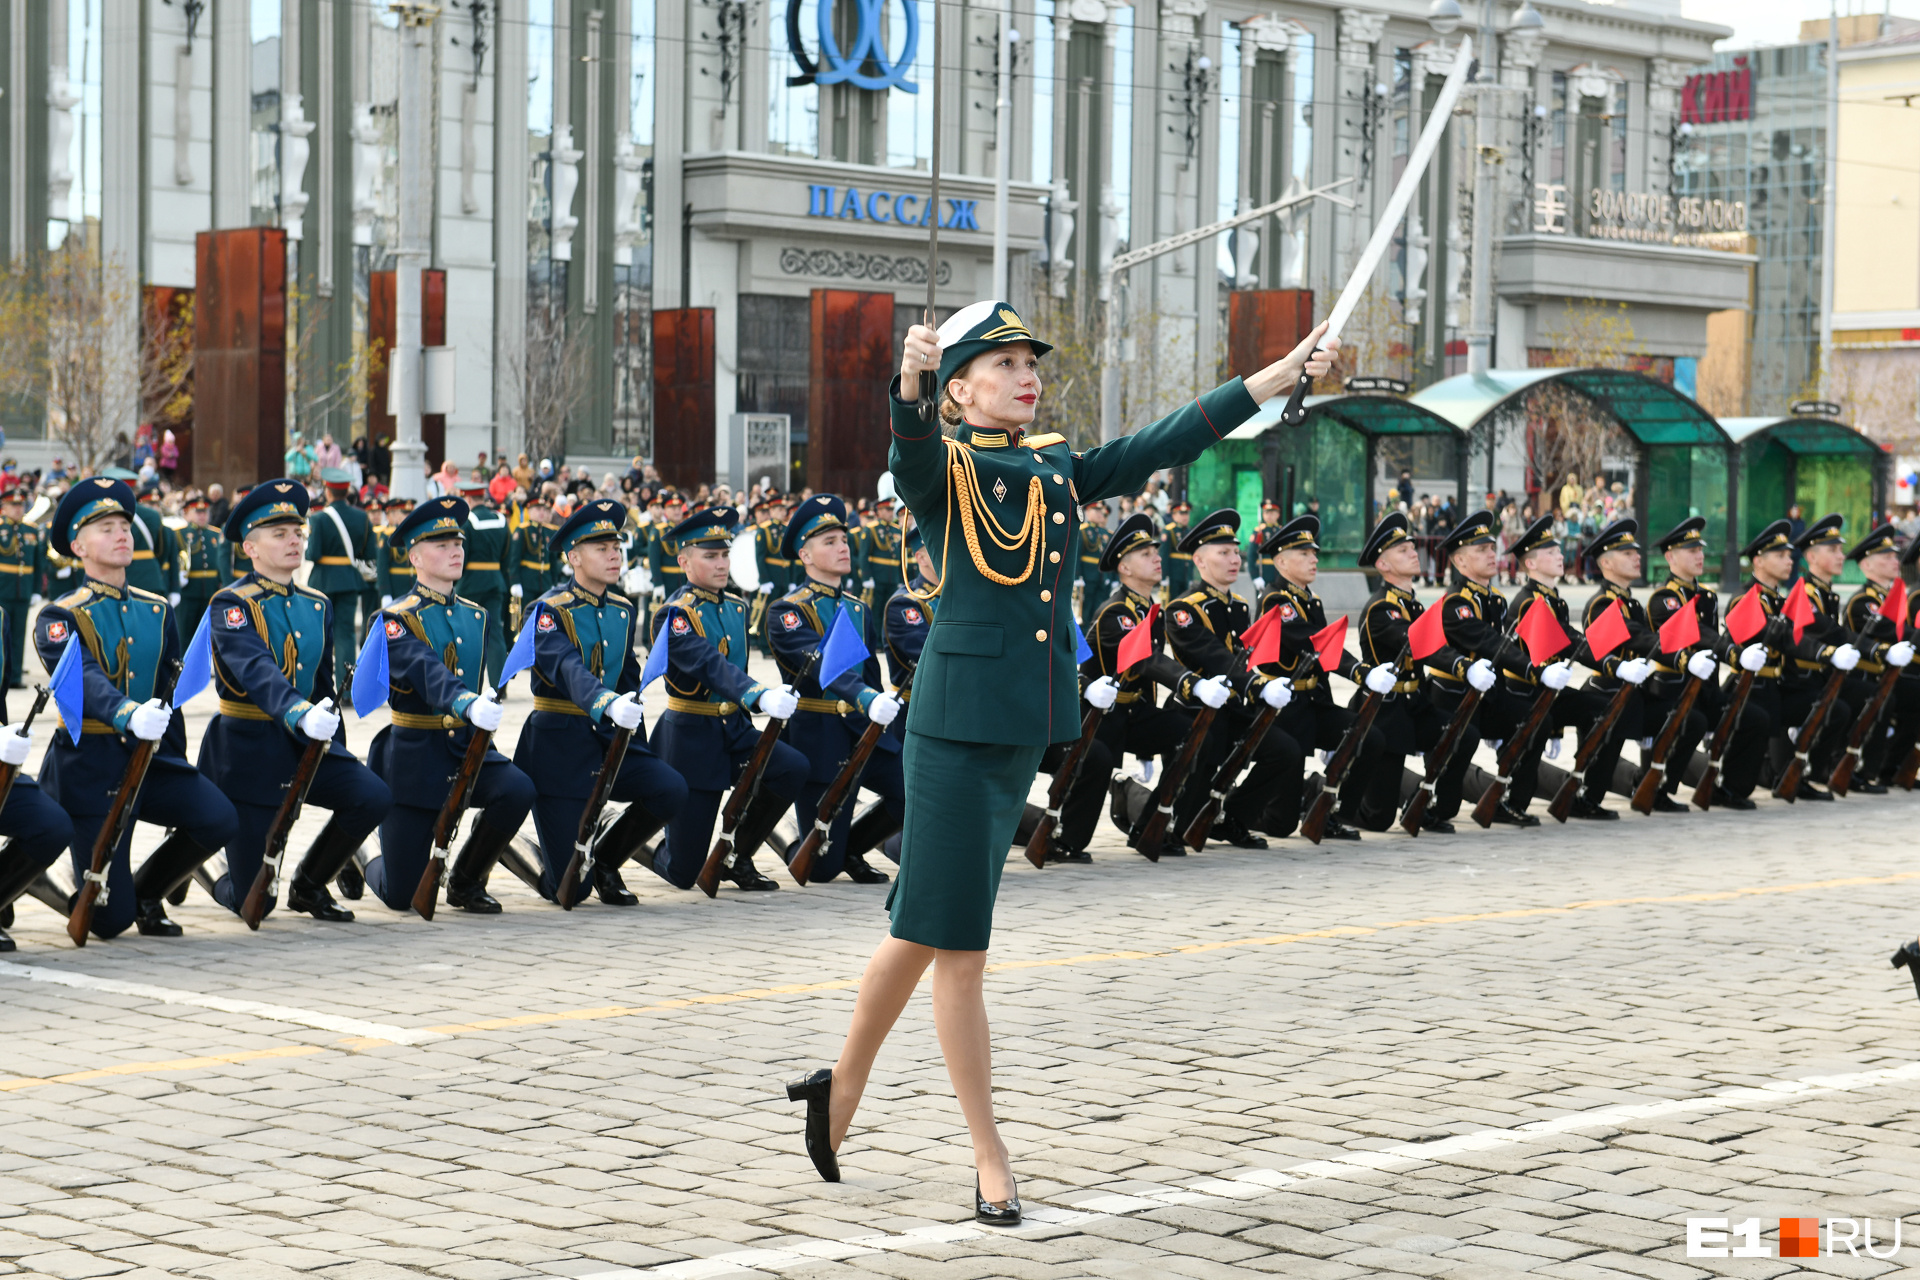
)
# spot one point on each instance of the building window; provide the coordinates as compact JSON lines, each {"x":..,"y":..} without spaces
{"x":263,"y":37}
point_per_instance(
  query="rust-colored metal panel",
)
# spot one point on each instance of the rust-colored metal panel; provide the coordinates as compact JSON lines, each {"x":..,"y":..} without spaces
{"x":382,"y":326}
{"x":240,"y":322}
{"x":1265,"y":324}
{"x":847,"y":433}
{"x":683,"y":404}
{"x":166,"y":366}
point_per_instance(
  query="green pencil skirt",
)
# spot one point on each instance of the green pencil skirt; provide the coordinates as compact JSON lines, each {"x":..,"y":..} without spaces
{"x":964,"y":800}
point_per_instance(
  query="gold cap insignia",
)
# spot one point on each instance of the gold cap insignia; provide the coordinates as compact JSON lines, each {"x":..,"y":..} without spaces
{"x":281,"y":488}
{"x":104,"y":483}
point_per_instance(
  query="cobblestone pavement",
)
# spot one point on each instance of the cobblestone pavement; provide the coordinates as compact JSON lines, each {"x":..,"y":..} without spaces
{"x":1513,"y":1052}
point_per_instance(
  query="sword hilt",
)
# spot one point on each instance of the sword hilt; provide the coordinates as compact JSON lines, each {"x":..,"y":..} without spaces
{"x":1295,"y":412}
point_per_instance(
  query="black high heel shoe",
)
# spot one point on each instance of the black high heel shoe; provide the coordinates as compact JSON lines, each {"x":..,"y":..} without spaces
{"x":816,"y":1091}
{"x":1908,"y":958}
{"x":995,"y":1213}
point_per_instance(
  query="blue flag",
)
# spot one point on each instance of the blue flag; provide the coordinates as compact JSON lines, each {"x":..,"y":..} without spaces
{"x":657,"y":656}
{"x":370,"y":671}
{"x":69,"y":688}
{"x":1081,"y":649}
{"x":196,"y":669}
{"x":844,"y":650}
{"x":520,"y":657}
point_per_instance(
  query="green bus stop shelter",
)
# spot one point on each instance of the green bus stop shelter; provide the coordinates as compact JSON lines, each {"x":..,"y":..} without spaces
{"x":1334,"y":457}
{"x":1821,"y":464}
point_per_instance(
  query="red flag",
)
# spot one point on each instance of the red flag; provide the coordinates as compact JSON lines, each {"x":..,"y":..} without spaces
{"x":1428,"y":634}
{"x":1798,"y":608}
{"x":1138,"y":643}
{"x":1331,"y":641}
{"x":1540,"y":628}
{"x":1747,"y":618}
{"x":1682,"y":630}
{"x":1607,"y":632}
{"x":1895,"y":608}
{"x":1251,"y":636}
{"x":1266,"y":635}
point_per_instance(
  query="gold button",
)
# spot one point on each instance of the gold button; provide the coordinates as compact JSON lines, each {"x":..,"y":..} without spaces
{"x":1059,"y":518}
{"x":1058,"y":480}
{"x":1038,"y":458}
{"x":1053,"y":557}
{"x":1039,"y":635}
{"x":1046,"y":595}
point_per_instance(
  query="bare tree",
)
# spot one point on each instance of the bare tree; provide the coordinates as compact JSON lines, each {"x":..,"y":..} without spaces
{"x":166,"y":357}
{"x":315,"y":387}
{"x":68,"y":341}
{"x":1567,"y":434}
{"x":1158,"y":369}
{"x":551,"y":372}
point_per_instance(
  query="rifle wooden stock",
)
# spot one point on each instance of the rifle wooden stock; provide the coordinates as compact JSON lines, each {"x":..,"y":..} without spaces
{"x":264,"y":890}
{"x":1842,"y":779}
{"x":1063,"y":779}
{"x":1225,"y":778}
{"x":569,"y":890}
{"x":1909,"y":770}
{"x":1153,"y":826}
{"x":1489,"y":803}
{"x":1314,"y":826}
{"x":1788,"y":788}
{"x":844,"y":785}
{"x":426,"y":894}
{"x":80,"y":919}
{"x":1570,"y":789}
{"x":1722,"y":733}
{"x":1654,"y":776}
{"x":8,"y":772}
{"x":722,"y":851}
{"x":1416,"y":810}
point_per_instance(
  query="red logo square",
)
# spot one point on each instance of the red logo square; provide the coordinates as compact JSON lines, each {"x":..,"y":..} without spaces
{"x":1799,"y":1237}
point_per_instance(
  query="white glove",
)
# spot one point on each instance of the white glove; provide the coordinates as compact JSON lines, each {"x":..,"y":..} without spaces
{"x":386,"y":602}
{"x":868,"y":584}
{"x":884,"y":710}
{"x":1381,"y":680}
{"x":1213,"y":692}
{"x":1480,"y":675}
{"x":485,"y":713}
{"x":1845,"y":658}
{"x":766,"y":588}
{"x":149,"y":720}
{"x":625,"y":712}
{"x":517,"y":591}
{"x":1553,"y":747}
{"x":1634,"y":670}
{"x":183,"y":577}
{"x":173,"y":598}
{"x":14,"y":745}
{"x":1556,"y":674}
{"x":1703,"y":665}
{"x":1900,"y":654}
{"x":320,"y":722}
{"x":1753,"y":657}
{"x":780,"y":702}
{"x":1277,"y":693}
{"x":1259,"y":584}
{"x":1102,"y":692}
{"x":35,"y":600}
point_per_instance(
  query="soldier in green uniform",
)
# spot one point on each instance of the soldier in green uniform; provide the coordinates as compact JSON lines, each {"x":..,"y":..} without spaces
{"x":883,"y":553}
{"x":663,"y":555}
{"x":775,"y":569}
{"x":996,"y":682}
{"x":530,"y":567}
{"x":155,"y":550}
{"x":1177,"y":579}
{"x":485,"y":579}
{"x":238,"y":565}
{"x":393,"y":572}
{"x":1094,"y":588}
{"x":203,"y":558}
{"x":859,"y":544}
{"x":340,"y":549}
{"x":1261,"y":567}
{"x":23,"y":557}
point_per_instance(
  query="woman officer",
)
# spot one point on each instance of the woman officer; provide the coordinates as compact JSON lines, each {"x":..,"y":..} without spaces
{"x":996,"y":682}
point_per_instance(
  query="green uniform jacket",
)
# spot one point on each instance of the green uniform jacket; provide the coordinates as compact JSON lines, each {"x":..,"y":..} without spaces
{"x":155,"y":551}
{"x":773,"y":568}
{"x":883,"y":560}
{"x":204,"y":553}
{"x":1093,"y":545}
{"x":23,"y":562}
{"x":392,"y":574}
{"x":999,"y":663}
{"x":1176,"y":566}
{"x":487,"y":548}
{"x":528,"y":565}
{"x":333,"y":573}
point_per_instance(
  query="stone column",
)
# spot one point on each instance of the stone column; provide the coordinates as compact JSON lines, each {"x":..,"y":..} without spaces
{"x":232,"y":112}
{"x":1665,"y":78}
{"x":1360,"y":31}
{"x":512,"y":170}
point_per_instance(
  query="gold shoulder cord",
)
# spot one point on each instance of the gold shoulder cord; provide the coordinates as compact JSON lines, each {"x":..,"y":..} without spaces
{"x":972,"y":503}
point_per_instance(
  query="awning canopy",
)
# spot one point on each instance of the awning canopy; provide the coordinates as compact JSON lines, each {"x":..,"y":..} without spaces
{"x":1800,"y":435}
{"x":1649,"y":410}
{"x":1370,"y":415}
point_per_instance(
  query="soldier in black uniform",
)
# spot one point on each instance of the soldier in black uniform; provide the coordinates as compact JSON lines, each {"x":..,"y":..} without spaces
{"x":1615,"y":557}
{"x":1823,"y":552}
{"x":1685,"y":548}
{"x":1410,"y":718}
{"x":1204,"y":628}
{"x":1542,"y":562}
{"x":1313,"y":719}
{"x":1886,"y":746}
{"x":1474,"y":618}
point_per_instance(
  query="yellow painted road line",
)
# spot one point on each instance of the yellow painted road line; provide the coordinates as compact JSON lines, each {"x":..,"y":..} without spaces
{"x":148,"y":1068}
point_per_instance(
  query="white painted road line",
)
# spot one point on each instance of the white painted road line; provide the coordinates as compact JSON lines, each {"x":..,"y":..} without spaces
{"x":1257,"y":1182}
{"x":225,"y":1004}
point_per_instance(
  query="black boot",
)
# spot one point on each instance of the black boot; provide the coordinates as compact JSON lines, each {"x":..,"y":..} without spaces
{"x":762,"y":815}
{"x":178,"y":857}
{"x":1585,"y":808}
{"x":868,"y":831}
{"x":467,"y":885}
{"x":16,"y":877}
{"x":1231,"y":831}
{"x":179,"y":894}
{"x":1726,"y":800}
{"x":1505,"y":814}
{"x":350,"y":882}
{"x":307,"y":891}
{"x":627,"y":837}
{"x":1908,"y":958}
{"x":860,"y":872}
{"x":519,"y":858}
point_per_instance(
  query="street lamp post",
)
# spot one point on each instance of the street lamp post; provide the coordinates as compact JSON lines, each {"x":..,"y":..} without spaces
{"x":1002,"y":161}
{"x":415,"y":244}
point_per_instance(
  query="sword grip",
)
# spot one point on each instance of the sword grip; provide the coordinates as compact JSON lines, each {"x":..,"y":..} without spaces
{"x":1295,"y":412}
{"x":926,"y":406}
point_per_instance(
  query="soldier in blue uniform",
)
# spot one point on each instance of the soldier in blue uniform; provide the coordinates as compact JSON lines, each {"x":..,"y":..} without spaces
{"x":340,"y":545}
{"x":273,"y":669}
{"x":436,"y":646}
{"x":831,"y":720}
{"x":706,"y":733}
{"x":586,"y":684}
{"x":203,"y":564}
{"x":34,"y":827}
{"x":129,"y":645}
